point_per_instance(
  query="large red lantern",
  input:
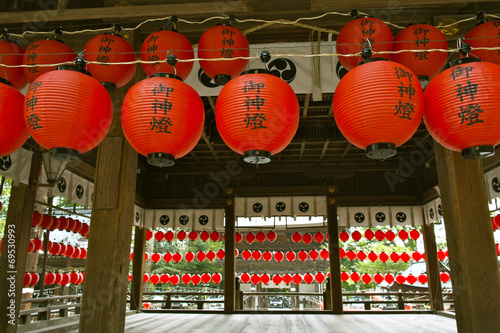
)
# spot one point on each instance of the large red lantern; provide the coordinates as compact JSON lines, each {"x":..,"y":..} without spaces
{"x":189,"y":256}
{"x":181,"y":235}
{"x":403,"y":235}
{"x":50,"y":278}
{"x":320,"y":277}
{"x":394,"y":257}
{"x":211,"y":255}
{"x":159,"y":45}
{"x":163,"y":119}
{"x":221,"y":254}
{"x":45,"y":52}
{"x":417,"y":256}
{"x":155,"y":257}
{"x":223,"y":41}
{"x":201,"y":256}
{"x":378,"y":106}
{"x":461,"y":106}
{"x":424,"y":64}
{"x":159,"y":236}
{"x":414,"y":234}
{"x":214,"y":236}
{"x":176,"y":257}
{"x":405,"y":257}
{"x":411,"y":279}
{"x":257,"y":115}
{"x":383,"y":256}
{"x":192,"y":235}
{"x":356,"y":236}
{"x":238,"y":237}
{"x":246,"y":254}
{"x":307,"y":238}
{"x":422,"y":278}
{"x":37,"y":217}
{"x":186,"y":278}
{"x":13,"y":129}
{"x":145,"y":277}
{"x":167,"y":257}
{"x":174,"y":280}
{"x":390,"y":235}
{"x":372,"y":256}
{"x":110,"y":48}
{"x":400,"y":279}
{"x":444,"y":276}
{"x":366,"y":32}
{"x":73,"y":121}
{"x":351,"y":255}
{"x":12,"y":54}
{"x":344,"y":276}
{"x":485,"y":35}
{"x":34,"y":278}
{"x":344,"y":236}
{"x":361,"y":255}
{"x":369,"y":234}
{"x":204,"y":235}
{"x":389,"y":278}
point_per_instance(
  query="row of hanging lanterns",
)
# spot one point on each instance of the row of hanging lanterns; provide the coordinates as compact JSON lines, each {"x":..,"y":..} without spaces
{"x":64,"y":279}
{"x":45,"y":221}
{"x":379,"y":235}
{"x":286,"y":278}
{"x":30,"y":279}
{"x":70,"y":251}
{"x":186,"y":278}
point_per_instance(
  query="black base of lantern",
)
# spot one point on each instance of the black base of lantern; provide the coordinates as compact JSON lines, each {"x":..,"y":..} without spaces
{"x":161,"y":159}
{"x":222,"y":79}
{"x":381,"y":150}
{"x":478,"y":152}
{"x":461,"y":61}
{"x":5,"y":81}
{"x":169,"y":75}
{"x":65,"y":154}
{"x":257,"y":156}
{"x":110,"y":86}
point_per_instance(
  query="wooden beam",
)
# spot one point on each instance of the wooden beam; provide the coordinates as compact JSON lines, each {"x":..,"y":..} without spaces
{"x":306,"y":106}
{"x":15,"y":247}
{"x":229,"y":261}
{"x":394,"y":6}
{"x":334,"y":250}
{"x":473,"y":261}
{"x":126,"y":12}
{"x":432,"y":264}
{"x":138,"y":269}
{"x":325,"y":148}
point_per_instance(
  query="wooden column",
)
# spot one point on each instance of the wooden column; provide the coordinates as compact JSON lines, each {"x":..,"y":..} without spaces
{"x":471,"y":247}
{"x":334,"y":250}
{"x":229,"y":262}
{"x":15,"y":247}
{"x":138,"y":269}
{"x":432,"y":263}
{"x":106,"y":273}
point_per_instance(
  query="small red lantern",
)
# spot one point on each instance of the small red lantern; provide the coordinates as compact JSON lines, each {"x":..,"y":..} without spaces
{"x":149,"y":234}
{"x":366,"y":278}
{"x":26,"y":280}
{"x":256,"y":255}
{"x":389,"y":278}
{"x":223,"y":41}
{"x":238,"y":237}
{"x":31,"y":246}
{"x":110,"y":48}
{"x":369,"y":234}
{"x":146,"y":256}
{"x":325,"y":255}
{"x":320,"y":277}
{"x":366,"y":32}
{"x":414,"y":234}
{"x":441,"y":255}
{"x":154,"y":279}
{"x":411,"y":279}
{"x":71,"y":224}
{"x":296,"y":237}
{"x":378,"y":278}
{"x":62,"y":249}
{"x":383,"y":257}
{"x":55,"y":223}
{"x":380,"y":235}
{"x":36,"y":219}
{"x":351,"y":255}
{"x":265,"y":278}
{"x":417,"y":256}
{"x":181,"y":235}
{"x":214,"y":236}
{"x":45,"y":52}
{"x":69,"y":251}
{"x":313,"y":254}
{"x":250,"y":238}
{"x":146,"y":305}
{"x":211,"y":255}
{"x":174,"y":280}
{"x":176,"y":257}
{"x":257,"y":116}
{"x":164,"y":278}
{"x":167,"y":257}
{"x":196,"y":279}
{"x":205,"y":278}
{"x":245,"y":278}
{"x":307,"y":238}
{"x":221,"y":254}
{"x":344,"y":236}
{"x":460,"y":107}
{"x":246,"y":254}
{"x":426,"y":65}
{"x":55,"y":249}
{"x":46,"y":221}
{"x":155,"y":257}
{"x":390,"y":235}
{"x":355,"y":277}
{"x":37,"y":244}
{"x":356,"y":236}
{"x":35,"y":278}
{"x":485,"y":35}
{"x":302,"y":255}
{"x":12,"y":54}
{"x":69,"y":123}
{"x":287,"y":278}
{"x":255,"y":279}
{"x":403,"y":235}
{"x":271,"y":236}
{"x":260,"y":237}
{"x":161,"y":44}
{"x":361,"y":255}
{"x":189,"y":256}
{"x":193,"y":235}
{"x":277,"y":279}
{"x":267,"y":256}
{"x":400,"y":279}
{"x":74,"y":277}
{"x":344,"y":276}
{"x":290,"y":256}
{"x":83,"y":253}
{"x":162,"y":118}
{"x":319,"y":237}
{"x":405,"y":257}
{"x":63,"y":223}
{"x":394,"y":257}
{"x":146,"y":277}
{"x":200,"y":256}
{"x":422,"y":278}
{"x":308,"y":278}
{"x":58,"y":279}
{"x":297,"y":279}
{"x":444,"y":276}
{"x":13,"y":129}
{"x":186,"y":278}
{"x":381,"y":124}
{"x":372,"y":256}
{"x":159,"y":236}
{"x":204,"y":236}
{"x":279,"y":256}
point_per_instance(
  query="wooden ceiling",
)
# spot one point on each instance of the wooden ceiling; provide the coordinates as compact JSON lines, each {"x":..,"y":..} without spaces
{"x":318,"y":155}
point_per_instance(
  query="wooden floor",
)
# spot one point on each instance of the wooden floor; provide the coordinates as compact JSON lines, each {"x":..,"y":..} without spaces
{"x":277,"y":323}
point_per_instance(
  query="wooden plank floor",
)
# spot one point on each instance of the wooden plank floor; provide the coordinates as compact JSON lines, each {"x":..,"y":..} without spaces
{"x":277,"y":323}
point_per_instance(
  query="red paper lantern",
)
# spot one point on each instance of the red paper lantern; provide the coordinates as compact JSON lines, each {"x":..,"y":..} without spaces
{"x":26,"y":280}
{"x":193,"y":235}
{"x":319,"y":237}
{"x":444,"y":276}
{"x":250,"y":238}
{"x":214,"y":236}
{"x":164,"y":278}
{"x":324,"y":254}
{"x":159,"y":236}
{"x":296,"y":237}
{"x":422,"y":278}
{"x":255,"y":279}
{"x":110,"y":48}
{"x":494,"y":223}
{"x":497,"y":221}
{"x":342,"y":253}
{"x":186,"y":278}
{"x":200,"y":256}
{"x":378,"y":278}
{"x":149,"y":234}
{"x":485,"y":35}
{"x":167,"y":257}
{"x":308,"y":278}
{"x":74,"y":277}
{"x":223,"y":41}
{"x":256,"y":255}
{"x":369,"y":234}
{"x":204,"y":236}
{"x":366,"y":278}
{"x":189,"y":256}
{"x":69,"y":251}
{"x":344,"y":236}
{"x":58,"y":278}
{"x":49,"y":278}
{"x":211,"y":255}
{"x":83,"y":253}
{"x":441,"y":255}
{"x":290,"y":256}
{"x":196,"y":279}
{"x":55,"y":223}
{"x":287,"y":278}
{"x":155,"y":257}
{"x":320,"y":277}
{"x":154,"y":279}
{"x":176,"y":257}
{"x":417,"y":256}
{"x":245,"y":278}
{"x":380,"y":235}
{"x":63,"y":223}
{"x":76,"y":253}
{"x":389,"y":278}
{"x":71,"y":224}
{"x":277,"y":279}
{"x":45,"y":52}
{"x":163,"y":119}
{"x":12,"y":54}
{"x":390,"y":235}
{"x":297,"y":279}
{"x":13,"y":129}
{"x":159,"y":45}
{"x":394,"y":256}
{"x":344,"y":276}
{"x":174,"y":280}
{"x":206,"y":278}
{"x":400,"y":279}
{"x":37,"y":244}
{"x":221,"y":254}
{"x":31,"y":246}
{"x":460,"y":108}
{"x":146,"y":277}
{"x":356,"y":236}
{"x":267,"y":256}
{"x":307,"y":238}
{"x":35,"y":278}
{"x":422,"y":37}
{"x":62,"y":249}
{"x":403,"y":235}
{"x":37,"y":217}
{"x":146,"y":256}
{"x":146,"y":305}
{"x":411,"y":279}
{"x":355,"y":277}
{"x":246,"y":254}
{"x":260,"y":237}
{"x":383,"y":256}
{"x":381,"y":124}
{"x":55,"y":249}
{"x":372,"y":256}
{"x":46,"y":221}
{"x":405,"y":257}
{"x":238,"y":237}
{"x":279,"y":256}
{"x":181,"y":235}
{"x":73,"y":121}
{"x":414,"y":234}
{"x":313,"y":254}
{"x":355,"y":35}
{"x":265,"y":278}
{"x":351,"y":255}
{"x":361,"y":255}
{"x":257,"y":116}
{"x":302,"y":255}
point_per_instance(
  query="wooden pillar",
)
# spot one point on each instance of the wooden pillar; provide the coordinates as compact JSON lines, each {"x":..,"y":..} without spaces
{"x":334,"y":250}
{"x":106,"y":273}
{"x":229,"y":262}
{"x":15,"y":247}
{"x":473,"y":261}
{"x":138,"y":269}
{"x":432,"y":263}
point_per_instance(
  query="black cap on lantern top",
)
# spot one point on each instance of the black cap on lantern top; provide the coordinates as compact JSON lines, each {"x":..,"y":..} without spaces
{"x":265,"y":56}
{"x":79,"y":65}
{"x":461,"y":61}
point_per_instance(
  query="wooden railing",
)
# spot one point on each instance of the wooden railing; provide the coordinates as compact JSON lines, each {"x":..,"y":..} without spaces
{"x":400,"y":300}
{"x":46,"y":308}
